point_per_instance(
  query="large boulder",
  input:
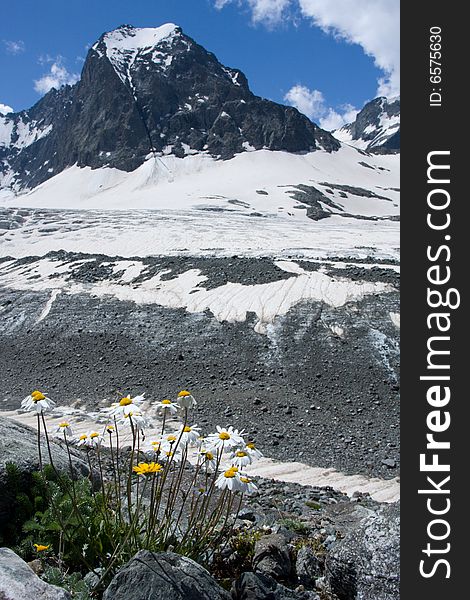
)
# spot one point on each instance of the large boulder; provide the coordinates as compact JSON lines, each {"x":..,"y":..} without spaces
{"x":272,"y":557}
{"x":307,"y":567}
{"x":256,"y":586}
{"x":163,"y":576}
{"x":365,"y":564}
{"x":18,"y":445}
{"x":18,"y":581}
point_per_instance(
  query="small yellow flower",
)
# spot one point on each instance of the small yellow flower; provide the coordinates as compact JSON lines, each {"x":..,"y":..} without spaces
{"x":41,"y":547}
{"x":223,"y":435}
{"x":110,"y":428}
{"x":209,"y":455}
{"x":94,"y":434}
{"x":240,"y":453}
{"x":229,"y":473}
{"x":83,"y":437}
{"x":166,"y":401}
{"x":125,"y":401}
{"x":187,"y":429}
{"x":147,"y":468}
{"x":37,"y":395}
{"x":184,"y":393}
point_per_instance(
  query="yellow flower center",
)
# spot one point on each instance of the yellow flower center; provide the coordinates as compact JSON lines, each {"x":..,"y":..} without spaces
{"x":251,"y":446}
{"x":233,"y":469}
{"x":230,"y":474}
{"x":41,"y":547}
{"x":187,"y":429}
{"x":125,"y":401}
{"x":83,"y":437}
{"x":171,"y":438}
{"x":64,"y":424}
{"x":223,"y":435}
{"x":110,"y":428}
{"x":241,"y":454}
{"x":94,"y":434}
{"x":183,"y":393}
{"x":166,"y":401}
{"x":37,"y":395}
{"x":209,"y":456}
{"x":245,"y":479}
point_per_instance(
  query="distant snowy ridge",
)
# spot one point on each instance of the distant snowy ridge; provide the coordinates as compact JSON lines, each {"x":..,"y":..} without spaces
{"x":376,"y":128}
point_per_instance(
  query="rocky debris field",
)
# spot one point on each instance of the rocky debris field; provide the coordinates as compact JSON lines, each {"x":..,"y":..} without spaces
{"x":319,"y":386}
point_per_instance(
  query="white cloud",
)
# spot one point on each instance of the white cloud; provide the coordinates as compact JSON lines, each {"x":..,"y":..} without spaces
{"x":5,"y":109}
{"x":55,"y":78}
{"x":373,"y":24}
{"x":312,"y":103}
{"x":268,"y":12}
{"x":14,"y":47}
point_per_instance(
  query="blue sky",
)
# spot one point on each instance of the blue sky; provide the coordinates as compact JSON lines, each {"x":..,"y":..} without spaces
{"x":292,"y":51}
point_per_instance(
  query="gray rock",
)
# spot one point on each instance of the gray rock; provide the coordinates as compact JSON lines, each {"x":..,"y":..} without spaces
{"x":307,"y":567}
{"x":365,"y":565}
{"x":18,"y":445}
{"x":256,"y":586}
{"x":18,"y":581}
{"x":272,"y":556}
{"x":163,"y":576}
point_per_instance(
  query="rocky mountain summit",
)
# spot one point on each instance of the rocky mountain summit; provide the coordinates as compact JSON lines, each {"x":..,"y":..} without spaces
{"x":143,"y":92}
{"x":376,"y":128}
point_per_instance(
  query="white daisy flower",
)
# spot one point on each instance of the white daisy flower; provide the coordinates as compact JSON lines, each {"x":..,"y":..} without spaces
{"x":168,"y":442}
{"x":230,"y":480}
{"x":248,"y":486}
{"x":92,"y":439}
{"x":186,"y":399}
{"x":125,"y":406}
{"x":240,"y":458}
{"x":137,"y":418}
{"x":226,"y":439}
{"x":64,"y":428}
{"x":167,"y":455}
{"x":253,"y":450}
{"x":189,"y":434}
{"x":208,"y":460}
{"x":37,"y":402}
{"x":167,"y":406}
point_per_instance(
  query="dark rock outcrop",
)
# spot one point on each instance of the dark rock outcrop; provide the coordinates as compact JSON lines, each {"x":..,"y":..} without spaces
{"x":256,"y":586}
{"x":163,"y":576}
{"x":272,"y":556}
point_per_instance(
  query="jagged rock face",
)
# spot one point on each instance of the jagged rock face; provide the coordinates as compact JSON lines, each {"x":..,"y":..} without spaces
{"x":143,"y":91}
{"x":376,"y":128}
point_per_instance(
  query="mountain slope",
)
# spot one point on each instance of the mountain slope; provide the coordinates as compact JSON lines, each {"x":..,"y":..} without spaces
{"x":147,"y":91}
{"x":376,"y":128}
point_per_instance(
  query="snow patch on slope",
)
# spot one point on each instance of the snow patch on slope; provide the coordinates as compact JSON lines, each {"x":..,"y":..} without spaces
{"x":125,"y":44}
{"x":231,"y":302}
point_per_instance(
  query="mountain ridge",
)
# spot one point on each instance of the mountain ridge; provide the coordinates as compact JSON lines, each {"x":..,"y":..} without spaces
{"x":172,"y":97}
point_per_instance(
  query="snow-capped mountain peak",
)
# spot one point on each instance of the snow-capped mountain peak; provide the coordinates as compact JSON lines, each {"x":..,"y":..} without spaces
{"x":126,"y":44}
{"x":376,"y":128}
{"x":152,"y":91}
